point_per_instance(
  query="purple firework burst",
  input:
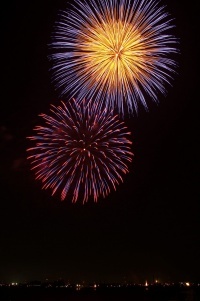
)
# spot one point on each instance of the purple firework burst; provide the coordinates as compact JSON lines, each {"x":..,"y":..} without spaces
{"x":80,"y":151}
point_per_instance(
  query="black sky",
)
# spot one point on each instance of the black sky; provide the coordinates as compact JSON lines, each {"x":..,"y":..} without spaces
{"x":148,"y":228}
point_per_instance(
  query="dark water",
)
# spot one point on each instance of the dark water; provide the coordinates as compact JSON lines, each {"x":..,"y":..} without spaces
{"x":117,"y":294}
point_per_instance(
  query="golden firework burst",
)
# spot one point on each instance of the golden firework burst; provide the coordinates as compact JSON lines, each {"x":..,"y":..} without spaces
{"x":115,"y":54}
{"x":115,"y":51}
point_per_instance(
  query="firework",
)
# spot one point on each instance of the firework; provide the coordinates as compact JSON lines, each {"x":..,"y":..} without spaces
{"x":116,"y":51}
{"x":80,"y":151}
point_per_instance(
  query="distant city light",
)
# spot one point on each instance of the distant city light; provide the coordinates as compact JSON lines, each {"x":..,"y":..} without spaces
{"x":95,"y":285}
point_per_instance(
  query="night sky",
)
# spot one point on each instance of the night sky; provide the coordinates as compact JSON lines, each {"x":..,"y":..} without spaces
{"x":149,"y":228}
